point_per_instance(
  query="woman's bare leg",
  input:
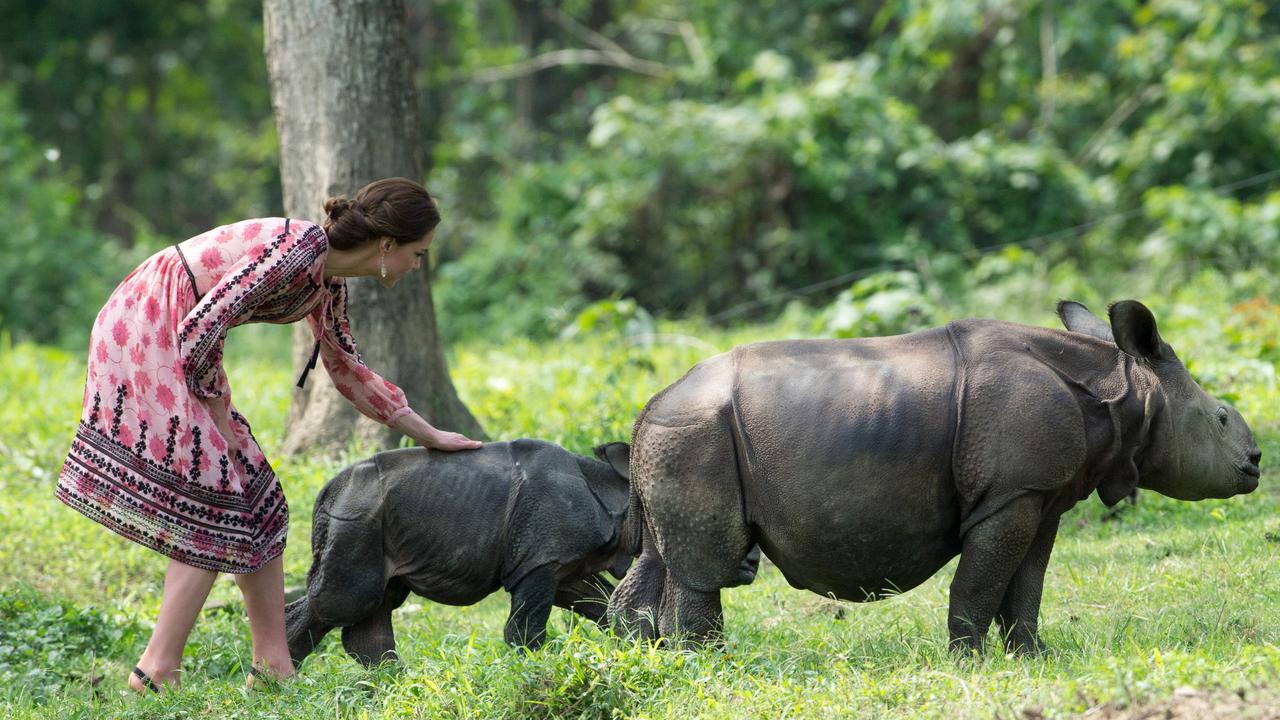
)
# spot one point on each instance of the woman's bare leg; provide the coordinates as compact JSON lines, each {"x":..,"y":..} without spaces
{"x":263,"y":592}
{"x":185,"y":590}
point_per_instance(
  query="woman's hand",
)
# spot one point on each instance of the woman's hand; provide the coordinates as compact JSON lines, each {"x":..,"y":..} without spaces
{"x":422,"y":431}
{"x":450,"y":441}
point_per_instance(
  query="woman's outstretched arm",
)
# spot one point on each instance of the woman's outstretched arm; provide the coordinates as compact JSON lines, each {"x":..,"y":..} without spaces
{"x":413,"y":425}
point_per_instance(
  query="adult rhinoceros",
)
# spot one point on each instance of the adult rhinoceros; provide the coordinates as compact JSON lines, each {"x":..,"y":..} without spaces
{"x":861,"y":467}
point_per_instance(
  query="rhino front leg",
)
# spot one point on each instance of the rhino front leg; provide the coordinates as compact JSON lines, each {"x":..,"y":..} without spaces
{"x":531,"y":601}
{"x":992,"y":552}
{"x":373,"y":640}
{"x":588,"y":597}
{"x":1020,"y":609}
{"x":633,"y":607}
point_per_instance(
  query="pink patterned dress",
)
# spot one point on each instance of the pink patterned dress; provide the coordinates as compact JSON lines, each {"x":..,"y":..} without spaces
{"x":148,"y":460}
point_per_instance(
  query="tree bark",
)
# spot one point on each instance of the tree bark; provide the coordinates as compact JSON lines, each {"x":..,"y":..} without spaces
{"x":346,"y":113}
{"x":537,"y":94}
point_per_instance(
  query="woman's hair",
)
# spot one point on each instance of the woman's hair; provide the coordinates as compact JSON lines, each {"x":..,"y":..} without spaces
{"x":393,"y":207}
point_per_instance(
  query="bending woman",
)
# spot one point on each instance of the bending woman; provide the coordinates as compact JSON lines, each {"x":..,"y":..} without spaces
{"x":162,"y":457}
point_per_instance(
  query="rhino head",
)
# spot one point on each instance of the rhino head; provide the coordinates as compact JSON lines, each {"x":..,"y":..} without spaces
{"x":1196,"y":446}
{"x":614,"y":490}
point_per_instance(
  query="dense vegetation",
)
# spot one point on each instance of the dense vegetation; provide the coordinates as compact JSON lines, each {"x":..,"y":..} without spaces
{"x":732,"y":154}
{"x":739,"y":171}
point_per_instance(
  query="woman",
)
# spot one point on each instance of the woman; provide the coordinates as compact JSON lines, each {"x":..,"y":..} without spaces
{"x":162,"y":457}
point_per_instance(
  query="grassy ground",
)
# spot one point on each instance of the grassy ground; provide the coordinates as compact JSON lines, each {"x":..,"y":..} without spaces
{"x":1166,"y":595}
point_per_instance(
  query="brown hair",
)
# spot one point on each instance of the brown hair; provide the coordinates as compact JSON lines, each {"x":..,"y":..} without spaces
{"x":392,"y":207}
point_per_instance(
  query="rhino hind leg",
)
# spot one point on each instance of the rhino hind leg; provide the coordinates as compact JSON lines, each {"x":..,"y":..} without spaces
{"x":1019,"y":613}
{"x":691,"y":617}
{"x":347,"y":580}
{"x":633,"y":606}
{"x":993,"y":551}
{"x":688,"y":480}
{"x":588,"y":597}
{"x":373,"y":640}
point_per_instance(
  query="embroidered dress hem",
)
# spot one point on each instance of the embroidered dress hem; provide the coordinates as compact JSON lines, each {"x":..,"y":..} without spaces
{"x":101,"y":481}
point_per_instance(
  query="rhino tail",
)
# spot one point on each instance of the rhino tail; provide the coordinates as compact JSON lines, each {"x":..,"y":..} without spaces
{"x":633,"y":524}
{"x":303,"y":630}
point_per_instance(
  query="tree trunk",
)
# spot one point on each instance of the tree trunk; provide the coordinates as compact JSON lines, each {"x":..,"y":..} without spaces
{"x":537,"y":94}
{"x":346,"y":113}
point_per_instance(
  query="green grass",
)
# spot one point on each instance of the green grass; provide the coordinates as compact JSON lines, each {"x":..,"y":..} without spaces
{"x":1168,"y":594}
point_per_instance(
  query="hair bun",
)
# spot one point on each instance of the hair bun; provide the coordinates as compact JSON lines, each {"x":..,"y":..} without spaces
{"x":335,"y":207}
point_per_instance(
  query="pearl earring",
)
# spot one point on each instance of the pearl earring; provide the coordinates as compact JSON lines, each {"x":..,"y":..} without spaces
{"x":384,"y":263}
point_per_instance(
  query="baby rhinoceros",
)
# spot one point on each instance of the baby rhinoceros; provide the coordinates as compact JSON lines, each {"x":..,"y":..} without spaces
{"x":862,"y":467}
{"x":526,"y":515}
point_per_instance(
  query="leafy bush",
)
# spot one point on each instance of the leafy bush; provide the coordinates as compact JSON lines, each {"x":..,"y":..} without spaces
{"x":57,"y":270}
{"x":46,"y":643}
{"x":691,"y":205}
{"x":886,"y":303}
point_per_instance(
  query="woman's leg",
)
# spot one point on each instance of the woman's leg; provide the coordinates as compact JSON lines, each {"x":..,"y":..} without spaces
{"x":185,"y":590}
{"x":263,"y":592}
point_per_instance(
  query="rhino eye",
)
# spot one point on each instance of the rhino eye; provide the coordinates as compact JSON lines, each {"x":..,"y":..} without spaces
{"x":1222,"y":416}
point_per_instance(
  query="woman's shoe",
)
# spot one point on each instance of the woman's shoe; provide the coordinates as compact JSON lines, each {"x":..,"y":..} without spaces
{"x":146,"y":680}
{"x":262,"y":680}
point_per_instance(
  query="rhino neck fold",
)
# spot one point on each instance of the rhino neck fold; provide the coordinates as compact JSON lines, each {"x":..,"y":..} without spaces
{"x":1156,"y":425}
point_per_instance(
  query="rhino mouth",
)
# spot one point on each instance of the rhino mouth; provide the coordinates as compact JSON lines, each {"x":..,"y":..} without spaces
{"x":1249,"y":475}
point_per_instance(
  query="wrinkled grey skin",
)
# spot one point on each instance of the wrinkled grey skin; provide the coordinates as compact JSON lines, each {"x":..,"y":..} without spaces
{"x":861,"y":467}
{"x":527,"y":516}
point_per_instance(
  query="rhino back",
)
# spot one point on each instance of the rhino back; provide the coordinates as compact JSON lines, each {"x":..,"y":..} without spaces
{"x":443,"y":519}
{"x":849,"y":442}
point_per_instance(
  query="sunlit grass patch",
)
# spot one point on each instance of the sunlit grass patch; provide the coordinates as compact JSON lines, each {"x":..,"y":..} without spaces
{"x":1160,"y":595}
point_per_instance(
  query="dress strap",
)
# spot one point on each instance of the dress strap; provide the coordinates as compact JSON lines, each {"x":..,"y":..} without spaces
{"x":190,"y":275}
{"x":311,"y":365}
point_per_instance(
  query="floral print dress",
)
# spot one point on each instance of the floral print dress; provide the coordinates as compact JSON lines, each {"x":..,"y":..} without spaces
{"x":148,"y":460}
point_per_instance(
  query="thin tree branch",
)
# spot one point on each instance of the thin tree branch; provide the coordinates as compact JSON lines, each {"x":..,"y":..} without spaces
{"x":583,"y":33}
{"x":1121,"y":113}
{"x":686,"y":31}
{"x":573,"y":56}
{"x":1048,"y":64}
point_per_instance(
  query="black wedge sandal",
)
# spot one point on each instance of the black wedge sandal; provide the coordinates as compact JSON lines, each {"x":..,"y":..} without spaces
{"x":147,"y":682}
{"x":259,"y":681}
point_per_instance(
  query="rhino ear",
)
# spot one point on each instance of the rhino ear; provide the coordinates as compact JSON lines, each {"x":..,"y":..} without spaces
{"x":1135,"y":331}
{"x":618,"y":455}
{"x":1077,"y":318}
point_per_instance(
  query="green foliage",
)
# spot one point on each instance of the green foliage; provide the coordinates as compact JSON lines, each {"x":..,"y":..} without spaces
{"x":56,"y":267}
{"x":160,"y":110}
{"x":1199,"y":229}
{"x":690,"y":205}
{"x":886,"y":303}
{"x":773,"y":147}
{"x":45,"y":643}
{"x":873,"y":136}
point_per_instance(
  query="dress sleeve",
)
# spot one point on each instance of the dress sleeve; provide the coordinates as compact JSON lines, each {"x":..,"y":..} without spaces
{"x":373,"y":396}
{"x":285,"y":262}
